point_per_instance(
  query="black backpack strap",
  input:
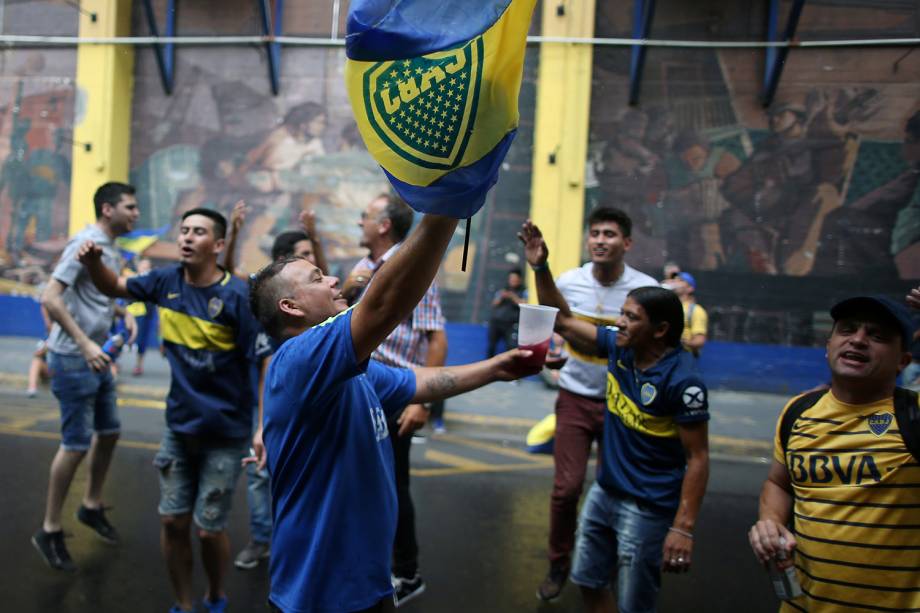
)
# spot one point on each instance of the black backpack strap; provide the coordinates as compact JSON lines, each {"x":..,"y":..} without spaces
{"x":795,"y":410}
{"x":907,"y":412}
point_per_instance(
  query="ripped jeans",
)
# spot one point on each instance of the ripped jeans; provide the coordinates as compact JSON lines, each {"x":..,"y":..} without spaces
{"x":621,"y":538}
{"x":198,"y":476}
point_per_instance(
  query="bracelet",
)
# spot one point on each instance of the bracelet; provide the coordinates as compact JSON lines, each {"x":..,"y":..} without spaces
{"x":689,"y":535}
{"x":543,"y":266}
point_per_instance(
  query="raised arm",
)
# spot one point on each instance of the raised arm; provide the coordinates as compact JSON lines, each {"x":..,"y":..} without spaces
{"x":106,"y":281}
{"x":237,"y":219}
{"x":400,"y":284}
{"x":581,"y":334}
{"x":53,"y":302}
{"x":308,"y":222}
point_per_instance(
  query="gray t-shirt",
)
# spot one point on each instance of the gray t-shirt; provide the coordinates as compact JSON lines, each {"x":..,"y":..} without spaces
{"x":90,"y":308}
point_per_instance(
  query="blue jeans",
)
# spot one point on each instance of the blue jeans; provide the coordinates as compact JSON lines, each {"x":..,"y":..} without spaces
{"x":258,"y":495}
{"x":86,"y":398}
{"x":622,"y":534}
{"x":198,"y":476}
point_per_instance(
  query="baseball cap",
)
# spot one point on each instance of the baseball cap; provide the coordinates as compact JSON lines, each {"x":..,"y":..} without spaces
{"x":894,"y":311}
{"x":686,"y":276}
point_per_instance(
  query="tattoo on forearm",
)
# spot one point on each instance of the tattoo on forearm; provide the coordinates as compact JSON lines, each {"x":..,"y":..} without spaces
{"x":442,"y":383}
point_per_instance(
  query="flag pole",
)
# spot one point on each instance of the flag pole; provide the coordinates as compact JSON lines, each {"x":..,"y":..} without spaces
{"x":466,"y":243}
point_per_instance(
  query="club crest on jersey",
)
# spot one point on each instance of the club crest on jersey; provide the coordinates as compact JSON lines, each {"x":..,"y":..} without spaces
{"x":880,"y":422}
{"x":648,"y":393}
{"x":694,"y":397}
{"x":215,"y":306}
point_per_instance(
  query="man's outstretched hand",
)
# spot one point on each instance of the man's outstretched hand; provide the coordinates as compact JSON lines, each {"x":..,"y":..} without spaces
{"x":514,"y":364}
{"x":535,"y":249}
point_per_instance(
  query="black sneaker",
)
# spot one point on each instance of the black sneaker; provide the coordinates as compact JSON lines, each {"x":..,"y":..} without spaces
{"x":95,"y":519}
{"x":405,"y":589}
{"x":52,"y":549}
{"x":552,"y":585}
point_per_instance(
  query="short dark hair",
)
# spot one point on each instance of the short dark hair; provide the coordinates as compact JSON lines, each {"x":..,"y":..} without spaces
{"x":265,"y":290}
{"x":220,"y":222}
{"x":661,"y":305}
{"x":111,"y":193}
{"x":400,"y":215}
{"x":516,"y":271}
{"x":284,"y":243}
{"x":608,"y":213}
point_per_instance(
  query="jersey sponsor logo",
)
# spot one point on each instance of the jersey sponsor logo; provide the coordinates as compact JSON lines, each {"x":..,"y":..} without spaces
{"x":693,"y":397}
{"x":380,"y":423}
{"x":172,"y":295}
{"x":879,"y":423}
{"x":648,"y":393}
{"x":822,"y":468}
{"x":215,"y":306}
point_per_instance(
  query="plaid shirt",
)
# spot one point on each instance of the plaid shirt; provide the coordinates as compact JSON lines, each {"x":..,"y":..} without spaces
{"x":407,"y":345}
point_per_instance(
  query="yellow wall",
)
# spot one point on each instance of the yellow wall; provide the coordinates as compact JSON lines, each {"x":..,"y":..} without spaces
{"x":105,"y":83}
{"x":562,"y":114}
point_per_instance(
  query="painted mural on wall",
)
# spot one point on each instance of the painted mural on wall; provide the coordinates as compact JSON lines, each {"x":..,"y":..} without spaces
{"x":811,"y":195}
{"x":222,"y":137}
{"x":36,"y":119}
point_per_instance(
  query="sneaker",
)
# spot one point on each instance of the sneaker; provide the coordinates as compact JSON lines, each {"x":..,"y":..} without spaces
{"x":53,"y":550}
{"x":438,"y":426}
{"x":552,"y":585}
{"x":405,"y":589}
{"x":95,"y":519}
{"x":32,"y":392}
{"x":253,"y":553}
{"x":215,"y":606}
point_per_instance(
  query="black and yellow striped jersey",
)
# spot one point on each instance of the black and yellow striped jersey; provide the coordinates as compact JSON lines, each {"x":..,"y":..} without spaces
{"x":856,"y":508}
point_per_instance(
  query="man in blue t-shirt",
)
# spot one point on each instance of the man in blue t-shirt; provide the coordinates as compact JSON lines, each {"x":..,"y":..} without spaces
{"x":211,"y":341}
{"x":655,"y":454}
{"x":325,"y":425}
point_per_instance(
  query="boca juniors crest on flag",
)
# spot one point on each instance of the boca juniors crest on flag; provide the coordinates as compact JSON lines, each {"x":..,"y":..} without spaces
{"x":434,"y":88}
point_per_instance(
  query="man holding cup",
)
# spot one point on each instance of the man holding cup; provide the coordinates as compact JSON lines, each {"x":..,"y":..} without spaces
{"x":595,"y":293}
{"x":638,"y":517}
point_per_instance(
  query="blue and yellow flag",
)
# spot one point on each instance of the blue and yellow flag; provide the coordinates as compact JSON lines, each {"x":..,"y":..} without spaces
{"x":434,"y":87}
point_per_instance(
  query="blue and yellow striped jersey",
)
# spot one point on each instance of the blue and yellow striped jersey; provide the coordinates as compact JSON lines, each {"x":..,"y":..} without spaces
{"x":642,"y":455}
{"x":856,"y":508}
{"x":211,"y":340}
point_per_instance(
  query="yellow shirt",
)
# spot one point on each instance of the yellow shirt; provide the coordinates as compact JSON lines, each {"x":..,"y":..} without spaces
{"x":695,"y":323}
{"x":856,"y":509}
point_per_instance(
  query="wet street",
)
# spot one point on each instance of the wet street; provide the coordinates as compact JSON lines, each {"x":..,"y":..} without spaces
{"x":482,"y":508}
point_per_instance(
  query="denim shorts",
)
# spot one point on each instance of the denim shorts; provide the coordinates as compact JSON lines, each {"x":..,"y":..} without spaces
{"x":86,"y":398}
{"x":621,"y":538}
{"x":198,"y":476}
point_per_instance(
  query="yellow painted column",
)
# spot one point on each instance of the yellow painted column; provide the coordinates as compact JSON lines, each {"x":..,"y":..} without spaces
{"x":105,"y":82}
{"x":560,"y":149}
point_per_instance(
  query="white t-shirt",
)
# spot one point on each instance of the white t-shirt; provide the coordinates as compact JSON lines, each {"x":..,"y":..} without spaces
{"x":583,"y":374}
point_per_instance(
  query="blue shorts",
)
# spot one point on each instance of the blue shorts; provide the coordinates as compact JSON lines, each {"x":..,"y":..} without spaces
{"x":198,"y":476}
{"x":618,"y":533}
{"x":86,"y":398}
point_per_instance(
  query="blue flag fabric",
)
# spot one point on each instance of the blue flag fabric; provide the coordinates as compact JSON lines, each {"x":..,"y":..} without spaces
{"x":434,"y":88}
